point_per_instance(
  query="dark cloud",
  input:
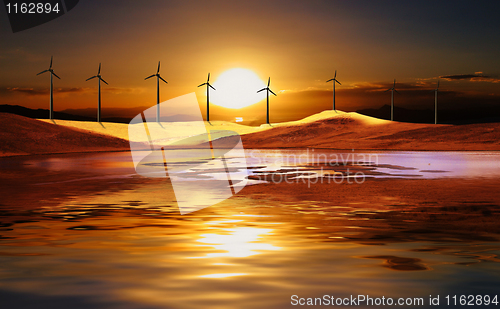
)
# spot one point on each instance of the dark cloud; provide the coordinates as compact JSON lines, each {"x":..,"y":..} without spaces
{"x":36,"y":92}
{"x":476,"y":77}
{"x":26,"y":91}
{"x":383,"y":86}
{"x":416,"y":95}
{"x":76,"y":90}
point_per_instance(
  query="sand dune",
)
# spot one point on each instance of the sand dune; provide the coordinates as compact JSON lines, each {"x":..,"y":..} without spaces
{"x":329,"y":129}
{"x":120,"y":130}
{"x":336,"y":130}
{"x":23,"y":136}
{"x":190,"y":128}
{"x":355,"y":131}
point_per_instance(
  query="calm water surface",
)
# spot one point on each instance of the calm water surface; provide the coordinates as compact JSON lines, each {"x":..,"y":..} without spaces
{"x":84,"y":231}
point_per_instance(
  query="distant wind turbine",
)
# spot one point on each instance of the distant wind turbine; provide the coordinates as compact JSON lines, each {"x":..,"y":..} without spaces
{"x":334,"y":80}
{"x":436,"y":103}
{"x":208,"y":98}
{"x":393,"y":89}
{"x":98,"y":76}
{"x":267,"y":92}
{"x":51,"y":113}
{"x":158,"y":77}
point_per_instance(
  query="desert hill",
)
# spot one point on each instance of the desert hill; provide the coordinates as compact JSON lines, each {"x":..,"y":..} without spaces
{"x":22,"y":136}
{"x":337,"y":130}
{"x":355,"y":131}
{"x":330,"y":130}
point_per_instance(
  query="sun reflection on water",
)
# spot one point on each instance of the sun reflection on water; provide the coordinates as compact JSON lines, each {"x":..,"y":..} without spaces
{"x":222,"y":275}
{"x":237,"y":242}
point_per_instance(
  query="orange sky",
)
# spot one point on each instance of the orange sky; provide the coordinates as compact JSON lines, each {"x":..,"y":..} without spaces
{"x":299,"y":44}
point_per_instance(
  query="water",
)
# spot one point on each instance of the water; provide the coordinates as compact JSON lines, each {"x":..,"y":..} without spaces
{"x":84,"y":231}
{"x":389,"y":164}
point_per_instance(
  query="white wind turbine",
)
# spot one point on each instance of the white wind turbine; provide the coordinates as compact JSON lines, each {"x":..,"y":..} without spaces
{"x":208,"y":98}
{"x":267,"y":92}
{"x":99,"y":77}
{"x":436,"y":103}
{"x":158,"y":77}
{"x":51,"y":113}
{"x":334,"y":80}
{"x":393,"y":89}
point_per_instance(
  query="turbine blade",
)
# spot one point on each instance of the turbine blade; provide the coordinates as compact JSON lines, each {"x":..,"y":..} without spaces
{"x":338,"y":82}
{"x":51,"y":58}
{"x":158,"y":71}
{"x":42,"y":72}
{"x":268,"y":82}
{"x":208,"y":79}
{"x":55,"y":75}
{"x":335,"y":74}
{"x":163,"y":79}
{"x":396,"y":91}
{"x":394,"y":85}
{"x":262,"y":90}
{"x":211,"y":87}
{"x":99,"y":72}
{"x":438,"y":85}
{"x":329,"y":80}
{"x":90,"y":78}
{"x":388,"y":89}
{"x":150,"y":76}
{"x":202,"y":84}
{"x":272,"y":92}
{"x":103,"y":81}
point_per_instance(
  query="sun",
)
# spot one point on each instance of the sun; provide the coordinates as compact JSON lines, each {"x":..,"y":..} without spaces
{"x":237,"y":88}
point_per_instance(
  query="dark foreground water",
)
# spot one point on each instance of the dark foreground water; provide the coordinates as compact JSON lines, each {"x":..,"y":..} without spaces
{"x":83,"y":231}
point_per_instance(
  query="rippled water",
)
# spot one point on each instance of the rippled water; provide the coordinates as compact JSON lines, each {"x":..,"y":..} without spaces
{"x":83,"y":231}
{"x":407,"y":164}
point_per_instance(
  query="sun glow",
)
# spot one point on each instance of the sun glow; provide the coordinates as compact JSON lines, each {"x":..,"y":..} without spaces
{"x":237,"y":88}
{"x":238,"y":242}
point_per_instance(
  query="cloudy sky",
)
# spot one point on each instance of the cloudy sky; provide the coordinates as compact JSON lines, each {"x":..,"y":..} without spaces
{"x":299,"y":44}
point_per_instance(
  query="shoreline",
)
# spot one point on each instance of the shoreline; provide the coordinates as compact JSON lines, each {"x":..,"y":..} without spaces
{"x":59,"y":153}
{"x":251,"y":149}
{"x":326,"y":131}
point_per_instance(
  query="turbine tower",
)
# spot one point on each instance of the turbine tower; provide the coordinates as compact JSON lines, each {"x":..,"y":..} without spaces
{"x":208,"y":98}
{"x":158,"y":77}
{"x":436,"y":103}
{"x":51,"y":113}
{"x":267,"y":92}
{"x":393,"y":89}
{"x":334,"y":80}
{"x":99,"y":97}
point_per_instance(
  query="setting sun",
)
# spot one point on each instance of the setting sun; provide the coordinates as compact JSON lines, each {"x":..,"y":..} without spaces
{"x":237,"y":88}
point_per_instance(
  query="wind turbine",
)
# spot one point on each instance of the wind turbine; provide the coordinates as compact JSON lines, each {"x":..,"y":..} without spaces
{"x":99,"y":97}
{"x":334,"y":80}
{"x":393,"y":89}
{"x":436,"y":103}
{"x":267,"y":92}
{"x":51,"y":113}
{"x":208,"y":98}
{"x":158,"y":77}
